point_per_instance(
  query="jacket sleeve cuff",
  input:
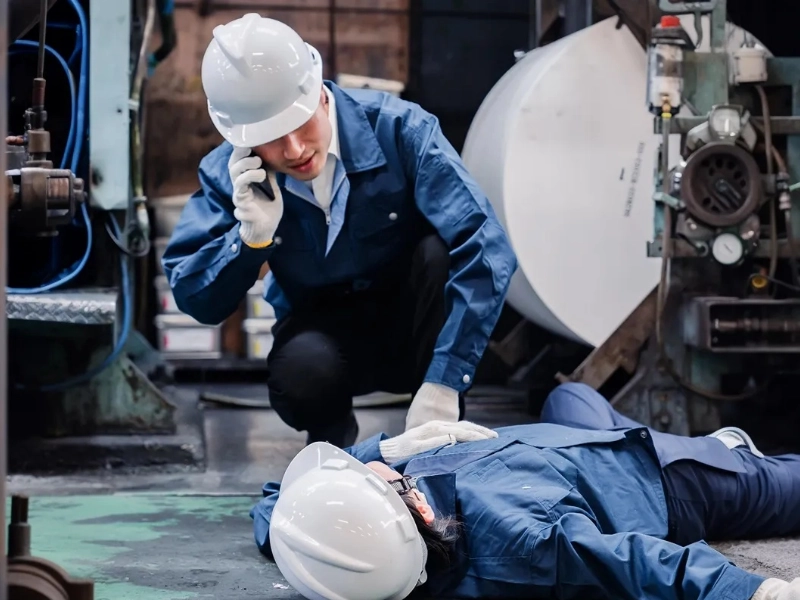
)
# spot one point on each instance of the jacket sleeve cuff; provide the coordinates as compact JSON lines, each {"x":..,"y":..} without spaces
{"x":737,"y":584}
{"x":369,"y":450}
{"x":450,"y":371}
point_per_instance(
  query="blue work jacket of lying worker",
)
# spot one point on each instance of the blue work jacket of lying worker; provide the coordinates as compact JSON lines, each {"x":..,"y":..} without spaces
{"x":553,"y":511}
{"x":397,"y":174}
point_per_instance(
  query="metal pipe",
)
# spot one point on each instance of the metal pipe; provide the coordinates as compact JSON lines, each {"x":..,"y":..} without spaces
{"x":577,"y":15}
{"x":534,"y":24}
{"x":332,"y":62}
{"x":3,"y":332}
{"x":42,"y":36}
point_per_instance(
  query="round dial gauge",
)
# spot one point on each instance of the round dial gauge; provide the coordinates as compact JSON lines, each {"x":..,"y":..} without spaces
{"x":727,"y":249}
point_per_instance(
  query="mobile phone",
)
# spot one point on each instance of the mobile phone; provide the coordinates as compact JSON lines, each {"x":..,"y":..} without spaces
{"x":265,"y":186}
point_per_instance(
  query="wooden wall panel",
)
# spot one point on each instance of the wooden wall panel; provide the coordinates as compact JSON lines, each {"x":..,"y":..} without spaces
{"x":371,"y":38}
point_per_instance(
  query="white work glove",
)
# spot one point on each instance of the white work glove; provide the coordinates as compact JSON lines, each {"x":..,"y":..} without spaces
{"x":432,"y":435}
{"x":777,"y":589}
{"x":432,"y":402}
{"x":257,"y":214}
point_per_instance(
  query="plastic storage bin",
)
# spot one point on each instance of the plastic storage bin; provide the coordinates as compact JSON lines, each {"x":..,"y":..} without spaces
{"x":259,"y":337}
{"x":181,"y":337}
{"x":257,"y":307}
{"x":166,"y":301}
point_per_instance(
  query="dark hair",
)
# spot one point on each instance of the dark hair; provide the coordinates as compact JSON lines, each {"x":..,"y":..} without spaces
{"x":439,"y":536}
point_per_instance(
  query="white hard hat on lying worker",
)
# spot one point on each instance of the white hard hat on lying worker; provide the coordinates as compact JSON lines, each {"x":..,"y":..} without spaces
{"x":262,"y":81}
{"x":344,"y":530}
{"x":340,"y":532}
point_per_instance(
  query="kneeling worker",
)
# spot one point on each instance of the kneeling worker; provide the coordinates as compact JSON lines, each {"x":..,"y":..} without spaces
{"x":388,"y":267}
{"x":586,"y":504}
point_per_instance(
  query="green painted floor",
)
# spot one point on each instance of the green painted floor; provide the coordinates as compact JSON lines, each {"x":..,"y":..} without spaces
{"x":156,"y":547}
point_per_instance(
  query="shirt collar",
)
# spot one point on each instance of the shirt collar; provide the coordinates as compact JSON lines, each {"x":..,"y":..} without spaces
{"x":332,"y":117}
{"x":358,"y":144}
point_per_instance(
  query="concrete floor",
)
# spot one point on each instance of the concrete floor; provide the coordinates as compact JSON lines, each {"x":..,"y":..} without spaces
{"x":187,"y":534}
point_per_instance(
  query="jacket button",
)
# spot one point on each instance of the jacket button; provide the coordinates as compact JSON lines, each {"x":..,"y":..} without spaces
{"x":465,"y":379}
{"x":393,"y":216}
{"x":234,"y":247}
{"x":278,"y":241}
{"x":643,"y":434}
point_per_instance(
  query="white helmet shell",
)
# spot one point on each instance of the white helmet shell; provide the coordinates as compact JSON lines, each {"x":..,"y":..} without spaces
{"x":261,"y":80}
{"x":340,"y":532}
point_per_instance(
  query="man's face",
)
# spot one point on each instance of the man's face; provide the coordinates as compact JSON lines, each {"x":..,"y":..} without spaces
{"x":303,"y":152}
{"x":417,"y":497}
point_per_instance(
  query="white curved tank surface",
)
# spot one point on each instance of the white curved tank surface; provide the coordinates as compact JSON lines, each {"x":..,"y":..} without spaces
{"x":564,"y":148}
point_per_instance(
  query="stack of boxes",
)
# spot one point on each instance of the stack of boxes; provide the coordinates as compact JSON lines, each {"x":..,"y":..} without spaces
{"x":258,"y":324}
{"x":180,"y":337}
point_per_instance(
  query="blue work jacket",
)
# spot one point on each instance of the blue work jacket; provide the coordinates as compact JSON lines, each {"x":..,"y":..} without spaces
{"x":398,"y":176}
{"x":553,"y":511}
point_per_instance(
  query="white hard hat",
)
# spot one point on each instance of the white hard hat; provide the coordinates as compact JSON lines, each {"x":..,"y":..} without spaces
{"x":261,"y":80}
{"x":340,"y":532}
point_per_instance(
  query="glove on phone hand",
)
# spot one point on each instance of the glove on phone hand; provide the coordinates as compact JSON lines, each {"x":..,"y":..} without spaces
{"x":257,"y":214}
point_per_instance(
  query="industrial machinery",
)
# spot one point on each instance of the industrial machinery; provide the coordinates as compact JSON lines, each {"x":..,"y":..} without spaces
{"x":69,"y":291}
{"x":648,"y":195}
{"x":79,"y":239}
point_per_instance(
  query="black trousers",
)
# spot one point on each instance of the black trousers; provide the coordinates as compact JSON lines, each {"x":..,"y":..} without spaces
{"x":346,"y":343}
{"x":703,"y":502}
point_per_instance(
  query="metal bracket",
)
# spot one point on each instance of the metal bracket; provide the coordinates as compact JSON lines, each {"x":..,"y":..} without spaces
{"x":621,"y":349}
{"x":686,"y":8}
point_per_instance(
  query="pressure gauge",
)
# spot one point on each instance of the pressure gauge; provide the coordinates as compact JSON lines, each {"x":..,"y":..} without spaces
{"x":725,"y":122}
{"x":727,"y":249}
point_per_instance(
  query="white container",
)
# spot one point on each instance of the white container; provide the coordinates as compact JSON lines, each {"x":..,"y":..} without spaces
{"x":259,"y":337}
{"x":257,"y":307}
{"x":181,"y":337}
{"x":750,"y":65}
{"x":166,"y":299}
{"x":563,"y":146}
{"x":167,"y":212}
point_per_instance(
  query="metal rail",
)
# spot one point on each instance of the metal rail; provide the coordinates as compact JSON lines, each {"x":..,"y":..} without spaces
{"x":3,"y":332}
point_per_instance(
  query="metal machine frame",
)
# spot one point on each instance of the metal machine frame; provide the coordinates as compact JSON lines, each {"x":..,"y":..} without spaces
{"x":92,"y":316}
{"x":682,"y":339}
{"x":3,"y":335}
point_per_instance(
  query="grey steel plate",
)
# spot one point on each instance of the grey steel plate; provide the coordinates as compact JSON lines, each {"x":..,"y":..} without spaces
{"x":81,"y":307}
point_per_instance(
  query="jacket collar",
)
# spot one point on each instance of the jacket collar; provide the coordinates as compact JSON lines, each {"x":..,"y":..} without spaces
{"x":358,"y":144}
{"x":440,"y":491}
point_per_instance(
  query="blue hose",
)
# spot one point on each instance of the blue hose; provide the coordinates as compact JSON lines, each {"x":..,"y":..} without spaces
{"x":29,"y":47}
{"x":80,"y":132}
{"x":82,"y":83}
{"x":127,"y":299}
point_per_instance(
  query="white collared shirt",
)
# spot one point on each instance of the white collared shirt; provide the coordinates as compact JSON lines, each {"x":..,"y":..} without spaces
{"x":322,"y":185}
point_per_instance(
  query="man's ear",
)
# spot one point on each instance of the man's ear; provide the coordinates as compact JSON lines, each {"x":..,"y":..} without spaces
{"x":426,"y":512}
{"x":323,"y":99}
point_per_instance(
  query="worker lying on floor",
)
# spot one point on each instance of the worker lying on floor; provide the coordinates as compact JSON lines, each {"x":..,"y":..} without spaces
{"x":388,"y":267}
{"x":586,"y":504}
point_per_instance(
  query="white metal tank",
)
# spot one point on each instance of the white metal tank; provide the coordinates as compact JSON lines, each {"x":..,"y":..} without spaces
{"x":564,"y":148}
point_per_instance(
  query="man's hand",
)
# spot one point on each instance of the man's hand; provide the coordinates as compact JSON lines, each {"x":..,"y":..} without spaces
{"x":257,"y":214}
{"x":433,"y":402}
{"x":777,"y":589}
{"x":432,"y":435}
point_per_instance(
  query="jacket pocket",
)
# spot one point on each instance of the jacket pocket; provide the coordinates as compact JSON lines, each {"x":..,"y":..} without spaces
{"x":378,"y":218}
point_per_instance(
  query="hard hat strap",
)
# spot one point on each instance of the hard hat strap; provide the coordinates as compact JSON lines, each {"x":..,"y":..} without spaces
{"x":404,"y":485}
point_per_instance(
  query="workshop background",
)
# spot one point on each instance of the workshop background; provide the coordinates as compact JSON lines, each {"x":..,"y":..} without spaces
{"x":137,"y":439}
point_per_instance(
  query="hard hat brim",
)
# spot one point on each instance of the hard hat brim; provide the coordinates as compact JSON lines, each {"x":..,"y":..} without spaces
{"x":262,"y":132}
{"x":312,"y":457}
